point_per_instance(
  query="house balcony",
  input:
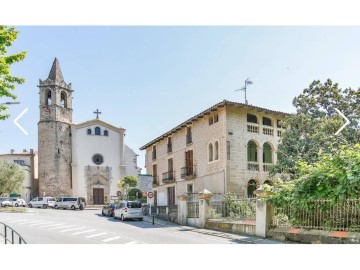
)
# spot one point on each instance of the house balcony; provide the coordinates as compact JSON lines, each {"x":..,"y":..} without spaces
{"x":268,"y":131}
{"x":253,"y":166}
{"x":188,"y":173}
{"x":267,"y":166}
{"x":155,"y":181}
{"x":168,"y":177}
{"x":253,"y":128}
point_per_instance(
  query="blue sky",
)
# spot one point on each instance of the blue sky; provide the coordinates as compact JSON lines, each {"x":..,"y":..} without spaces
{"x":150,"y":79}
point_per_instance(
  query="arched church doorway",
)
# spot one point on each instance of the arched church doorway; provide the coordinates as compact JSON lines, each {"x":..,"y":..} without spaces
{"x":98,"y":195}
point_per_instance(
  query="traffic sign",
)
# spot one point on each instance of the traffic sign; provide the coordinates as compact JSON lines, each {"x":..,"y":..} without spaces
{"x":150,"y":195}
{"x":118,"y":193}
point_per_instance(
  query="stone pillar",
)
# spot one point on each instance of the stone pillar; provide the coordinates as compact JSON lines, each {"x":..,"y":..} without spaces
{"x":204,"y":207}
{"x":264,"y":213}
{"x":182,"y":209}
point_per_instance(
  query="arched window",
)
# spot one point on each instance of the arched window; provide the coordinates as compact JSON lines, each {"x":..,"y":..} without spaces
{"x":267,"y":153}
{"x":97,"y":131}
{"x":63,"y":100}
{"x":89,"y":131}
{"x":251,"y":118}
{"x":267,"y":182}
{"x":252,"y":151}
{"x":267,"y":121}
{"x":216,"y":150}
{"x":106,"y":133}
{"x":210,"y":152}
{"x":48,"y":97}
{"x":251,"y":187}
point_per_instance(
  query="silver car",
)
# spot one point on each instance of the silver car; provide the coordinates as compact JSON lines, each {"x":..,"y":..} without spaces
{"x":128,"y":210}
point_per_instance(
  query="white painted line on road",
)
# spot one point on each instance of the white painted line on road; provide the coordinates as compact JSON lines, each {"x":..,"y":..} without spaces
{"x":132,"y":242}
{"x":15,"y":221}
{"x":95,"y":235}
{"x":111,"y":239}
{"x":62,"y":227}
{"x":73,"y":229}
{"x":37,"y":221}
{"x":51,"y":225}
{"x":83,"y":232}
{"x":42,"y":223}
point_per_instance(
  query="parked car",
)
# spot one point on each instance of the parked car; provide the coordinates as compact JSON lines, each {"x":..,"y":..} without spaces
{"x":5,"y":202}
{"x":17,"y":202}
{"x":129,"y":210}
{"x":108,"y":210}
{"x":43,"y":202}
{"x":72,"y":203}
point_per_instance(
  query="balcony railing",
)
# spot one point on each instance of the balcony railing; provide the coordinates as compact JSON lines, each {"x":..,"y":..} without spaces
{"x":253,"y":166}
{"x":268,"y":131}
{"x":169,"y":147}
{"x":155,"y":181}
{"x":267,"y":166}
{"x":279,"y":132}
{"x":189,"y":138}
{"x":252,"y":128}
{"x":188,"y":172}
{"x":168,"y":177}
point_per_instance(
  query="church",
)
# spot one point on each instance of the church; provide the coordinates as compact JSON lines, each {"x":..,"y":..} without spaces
{"x":85,"y":159}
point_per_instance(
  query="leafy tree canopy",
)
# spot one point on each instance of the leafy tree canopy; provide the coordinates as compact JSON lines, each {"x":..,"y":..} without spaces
{"x":312,"y":128}
{"x":127,"y":182}
{"x":7,"y":82}
{"x":335,"y":176}
{"x":11,"y":177}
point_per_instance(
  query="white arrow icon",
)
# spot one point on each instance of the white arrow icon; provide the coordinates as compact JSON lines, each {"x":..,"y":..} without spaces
{"x":17,"y":119}
{"x":347,"y":121}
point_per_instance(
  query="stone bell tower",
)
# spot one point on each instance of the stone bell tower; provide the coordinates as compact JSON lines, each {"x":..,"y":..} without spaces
{"x":54,"y":134}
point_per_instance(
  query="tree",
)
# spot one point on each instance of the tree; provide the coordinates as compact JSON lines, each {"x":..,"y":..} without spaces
{"x":311,"y":130}
{"x":127,"y":182}
{"x":11,"y":177}
{"x":7,"y":82}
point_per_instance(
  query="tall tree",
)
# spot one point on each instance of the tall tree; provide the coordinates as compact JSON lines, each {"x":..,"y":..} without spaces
{"x":128,"y":182}
{"x":7,"y":82}
{"x":311,"y":130}
{"x":11,"y":177}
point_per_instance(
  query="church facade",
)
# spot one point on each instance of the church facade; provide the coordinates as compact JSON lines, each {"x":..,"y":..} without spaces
{"x":85,"y":159}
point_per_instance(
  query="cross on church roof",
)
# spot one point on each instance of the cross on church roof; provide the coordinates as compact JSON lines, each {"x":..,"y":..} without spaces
{"x":97,"y":113}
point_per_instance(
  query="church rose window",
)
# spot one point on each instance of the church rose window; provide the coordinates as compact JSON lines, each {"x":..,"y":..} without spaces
{"x":98,"y":159}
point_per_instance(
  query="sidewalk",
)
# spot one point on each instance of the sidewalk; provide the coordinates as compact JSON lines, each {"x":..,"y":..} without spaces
{"x":244,"y":239}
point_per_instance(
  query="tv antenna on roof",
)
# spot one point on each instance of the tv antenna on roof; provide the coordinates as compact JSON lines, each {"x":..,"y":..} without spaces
{"x":247,"y":82}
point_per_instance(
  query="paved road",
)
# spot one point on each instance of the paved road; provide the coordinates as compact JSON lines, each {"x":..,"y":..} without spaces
{"x":50,"y":226}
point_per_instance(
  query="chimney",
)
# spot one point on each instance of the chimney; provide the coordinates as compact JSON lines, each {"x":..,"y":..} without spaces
{"x":12,"y":151}
{"x":24,"y":151}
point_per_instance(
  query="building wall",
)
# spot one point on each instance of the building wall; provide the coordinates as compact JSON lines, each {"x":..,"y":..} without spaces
{"x":230,"y":172}
{"x":86,"y":146}
{"x":26,"y":191}
{"x":131,"y":162}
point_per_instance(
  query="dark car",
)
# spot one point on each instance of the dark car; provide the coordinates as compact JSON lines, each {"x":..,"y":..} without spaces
{"x":108,"y":210}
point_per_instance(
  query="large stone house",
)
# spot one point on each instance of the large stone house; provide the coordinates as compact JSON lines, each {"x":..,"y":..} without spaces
{"x":226,"y":148}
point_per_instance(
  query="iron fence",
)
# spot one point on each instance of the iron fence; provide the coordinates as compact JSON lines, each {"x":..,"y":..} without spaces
{"x":193,"y":205}
{"x":10,"y":236}
{"x":234,"y":208}
{"x":320,"y":215}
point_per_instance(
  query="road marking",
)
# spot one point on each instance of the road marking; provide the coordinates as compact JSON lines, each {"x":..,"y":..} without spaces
{"x":61,"y":227}
{"x":111,"y":239}
{"x":14,"y":221}
{"x":83,"y":232}
{"x":95,"y":235}
{"x":18,"y":118}
{"x":132,"y":242}
{"x":51,"y":225}
{"x":37,"y":221}
{"x":73,"y":229}
{"x":42,"y":223}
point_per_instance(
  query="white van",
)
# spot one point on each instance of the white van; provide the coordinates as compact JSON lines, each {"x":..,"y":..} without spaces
{"x":128,"y":210}
{"x":72,"y":203}
{"x":43,"y":202}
